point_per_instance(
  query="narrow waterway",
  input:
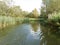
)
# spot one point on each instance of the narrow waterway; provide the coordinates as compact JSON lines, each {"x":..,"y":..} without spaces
{"x":30,"y":34}
{"x":23,"y":34}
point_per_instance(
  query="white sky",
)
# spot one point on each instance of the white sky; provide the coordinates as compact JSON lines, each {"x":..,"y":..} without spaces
{"x":28,"y":5}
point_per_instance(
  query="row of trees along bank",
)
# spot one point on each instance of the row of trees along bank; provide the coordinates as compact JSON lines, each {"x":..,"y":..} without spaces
{"x":10,"y":15}
{"x":50,"y":11}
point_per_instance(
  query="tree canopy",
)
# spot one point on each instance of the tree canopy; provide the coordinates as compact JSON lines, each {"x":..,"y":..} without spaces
{"x":52,"y":5}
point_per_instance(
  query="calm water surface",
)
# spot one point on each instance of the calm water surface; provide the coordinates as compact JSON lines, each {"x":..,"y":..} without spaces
{"x":23,"y":34}
{"x":30,"y":34}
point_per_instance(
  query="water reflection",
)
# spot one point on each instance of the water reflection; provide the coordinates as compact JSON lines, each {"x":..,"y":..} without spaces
{"x":50,"y":36}
{"x":33,"y":37}
{"x":35,"y":26}
{"x":23,"y":34}
{"x":35,"y":30}
{"x":30,"y":34}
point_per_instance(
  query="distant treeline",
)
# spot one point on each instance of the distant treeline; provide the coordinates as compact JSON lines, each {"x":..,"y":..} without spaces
{"x":10,"y":15}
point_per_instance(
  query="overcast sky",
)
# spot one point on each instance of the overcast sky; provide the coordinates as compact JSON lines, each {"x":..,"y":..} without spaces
{"x":28,"y":5}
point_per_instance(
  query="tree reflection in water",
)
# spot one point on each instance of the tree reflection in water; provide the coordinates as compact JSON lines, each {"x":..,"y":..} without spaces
{"x":35,"y":26}
{"x":35,"y":30}
{"x":50,"y":36}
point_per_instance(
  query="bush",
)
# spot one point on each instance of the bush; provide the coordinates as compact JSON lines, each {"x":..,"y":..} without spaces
{"x":54,"y":17}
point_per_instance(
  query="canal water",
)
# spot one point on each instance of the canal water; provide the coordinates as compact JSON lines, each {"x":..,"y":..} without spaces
{"x":29,"y":34}
{"x":23,"y":34}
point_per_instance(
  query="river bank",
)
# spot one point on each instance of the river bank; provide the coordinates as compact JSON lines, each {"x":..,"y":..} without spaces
{"x":7,"y":21}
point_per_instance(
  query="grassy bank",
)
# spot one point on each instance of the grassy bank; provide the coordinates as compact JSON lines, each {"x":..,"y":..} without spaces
{"x":6,"y":21}
{"x":52,"y":20}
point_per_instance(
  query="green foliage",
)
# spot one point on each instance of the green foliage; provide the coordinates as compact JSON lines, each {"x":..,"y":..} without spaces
{"x":15,"y":11}
{"x":3,"y":8}
{"x":33,"y":14}
{"x":52,"y":5}
{"x":54,"y":16}
{"x":13,"y":14}
{"x":50,"y":11}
